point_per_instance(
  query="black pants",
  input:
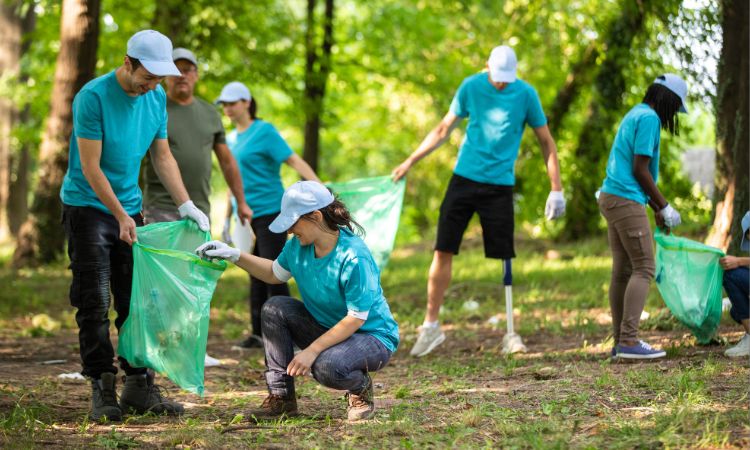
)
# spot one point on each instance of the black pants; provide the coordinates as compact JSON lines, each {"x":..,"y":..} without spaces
{"x":267,"y":245}
{"x":100,"y":262}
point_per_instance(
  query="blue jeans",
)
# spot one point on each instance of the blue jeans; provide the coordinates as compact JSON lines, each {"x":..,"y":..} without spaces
{"x":736,"y":283}
{"x":100,"y":262}
{"x":343,"y":366}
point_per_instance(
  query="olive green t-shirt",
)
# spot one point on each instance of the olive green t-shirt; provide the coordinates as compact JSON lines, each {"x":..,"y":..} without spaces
{"x":192,"y":131}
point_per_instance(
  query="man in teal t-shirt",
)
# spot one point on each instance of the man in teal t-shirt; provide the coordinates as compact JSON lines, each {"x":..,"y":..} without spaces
{"x":116,"y":117}
{"x":498,"y":106}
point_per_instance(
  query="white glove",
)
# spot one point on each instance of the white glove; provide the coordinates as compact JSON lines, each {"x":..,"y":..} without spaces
{"x":226,"y":233}
{"x":189,"y":210}
{"x":218,"y":250}
{"x":555,"y":205}
{"x":671,"y":216}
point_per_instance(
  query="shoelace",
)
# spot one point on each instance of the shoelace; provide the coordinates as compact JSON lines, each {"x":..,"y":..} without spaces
{"x":646,"y":346}
{"x":270,"y":401}
{"x":160,"y":392}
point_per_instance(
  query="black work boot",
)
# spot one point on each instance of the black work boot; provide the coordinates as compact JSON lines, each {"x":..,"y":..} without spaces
{"x":273,"y":407}
{"x":361,"y":405}
{"x":104,"y":399}
{"x":140,"y":395}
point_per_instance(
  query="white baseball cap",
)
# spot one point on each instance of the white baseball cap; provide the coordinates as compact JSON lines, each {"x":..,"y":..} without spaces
{"x":745,"y":244}
{"x":301,"y":198}
{"x":154,"y":51}
{"x":232,"y":92}
{"x":502,"y":64}
{"x":183,"y":53}
{"x":675,"y":84}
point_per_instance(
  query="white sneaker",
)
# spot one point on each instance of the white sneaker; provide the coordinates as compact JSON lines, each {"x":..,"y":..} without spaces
{"x":741,"y":349}
{"x":429,"y":338}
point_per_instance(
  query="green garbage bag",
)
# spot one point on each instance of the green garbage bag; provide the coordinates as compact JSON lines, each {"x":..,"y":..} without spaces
{"x":167,"y":327}
{"x":688,"y":275}
{"x":375,"y":203}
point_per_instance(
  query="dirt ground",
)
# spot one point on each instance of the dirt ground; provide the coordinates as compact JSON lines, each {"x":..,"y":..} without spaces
{"x":533,"y":379}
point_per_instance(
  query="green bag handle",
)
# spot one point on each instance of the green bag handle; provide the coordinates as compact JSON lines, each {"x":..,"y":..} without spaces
{"x":183,"y":255}
{"x":672,"y":242}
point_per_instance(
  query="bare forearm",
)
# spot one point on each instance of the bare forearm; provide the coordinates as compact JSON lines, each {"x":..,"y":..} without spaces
{"x":260,"y":268}
{"x":434,"y":139}
{"x":646,"y":181}
{"x":549,"y":151}
{"x":169,"y":174}
{"x":103,"y":190}
{"x":339,"y":333}
{"x":302,"y":168}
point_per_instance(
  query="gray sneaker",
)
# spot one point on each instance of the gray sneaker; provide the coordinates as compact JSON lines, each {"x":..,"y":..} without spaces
{"x":429,"y":338}
{"x":140,"y":395}
{"x":104,"y":399}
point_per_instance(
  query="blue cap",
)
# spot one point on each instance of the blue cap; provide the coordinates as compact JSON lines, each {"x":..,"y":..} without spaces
{"x":154,"y":51}
{"x":233,"y":92}
{"x":745,"y":244}
{"x":301,"y":198}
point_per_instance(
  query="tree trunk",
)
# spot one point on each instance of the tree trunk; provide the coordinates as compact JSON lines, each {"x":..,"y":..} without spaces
{"x":732,"y":137}
{"x":11,"y":35}
{"x":20,"y":161}
{"x":41,"y":238}
{"x":579,"y":76}
{"x":604,"y":111}
{"x":172,"y":18}
{"x":317,"y":69}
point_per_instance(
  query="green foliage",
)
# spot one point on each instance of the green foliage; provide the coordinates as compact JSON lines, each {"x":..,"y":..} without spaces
{"x":396,"y":66}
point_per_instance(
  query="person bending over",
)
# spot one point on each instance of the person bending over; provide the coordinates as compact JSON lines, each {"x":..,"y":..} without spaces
{"x":343,"y":324}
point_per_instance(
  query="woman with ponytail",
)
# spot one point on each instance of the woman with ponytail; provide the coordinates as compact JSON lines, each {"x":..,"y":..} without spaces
{"x":343,"y":323}
{"x":630,"y":184}
{"x":259,"y":150}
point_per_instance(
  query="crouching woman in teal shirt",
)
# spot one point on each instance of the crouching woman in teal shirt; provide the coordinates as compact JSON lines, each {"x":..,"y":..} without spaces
{"x":343,"y":323}
{"x":630,"y":184}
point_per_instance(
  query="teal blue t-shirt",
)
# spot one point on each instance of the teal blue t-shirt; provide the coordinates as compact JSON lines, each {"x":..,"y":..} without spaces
{"x":344,"y":282}
{"x":638,"y":134}
{"x":127,"y":126}
{"x":259,"y":152}
{"x":496,"y":122}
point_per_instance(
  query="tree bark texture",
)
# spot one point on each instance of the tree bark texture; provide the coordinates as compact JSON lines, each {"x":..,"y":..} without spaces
{"x":732,"y":121}
{"x":41,"y":238}
{"x":317,"y":69}
{"x":604,"y":111}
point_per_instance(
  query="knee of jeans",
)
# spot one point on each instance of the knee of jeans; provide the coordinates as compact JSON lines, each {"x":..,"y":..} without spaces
{"x":89,"y":289}
{"x":274,"y":308}
{"x":329,"y":372}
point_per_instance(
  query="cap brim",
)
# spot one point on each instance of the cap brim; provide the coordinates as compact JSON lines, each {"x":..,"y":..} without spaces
{"x":503,"y":76}
{"x":283,"y":222}
{"x":227,"y":99}
{"x":161,"y":68}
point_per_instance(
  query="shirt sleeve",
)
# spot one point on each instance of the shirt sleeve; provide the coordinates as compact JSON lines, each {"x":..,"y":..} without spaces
{"x":87,"y":116}
{"x":220,"y":134}
{"x":535,"y":114}
{"x":646,"y":138}
{"x":281,"y":268}
{"x":360,"y":283}
{"x":277,"y":147}
{"x":458,"y":105}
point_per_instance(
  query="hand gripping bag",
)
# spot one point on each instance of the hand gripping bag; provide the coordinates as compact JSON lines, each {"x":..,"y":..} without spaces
{"x":375,"y":203}
{"x":167,"y":327}
{"x":689,"y":278}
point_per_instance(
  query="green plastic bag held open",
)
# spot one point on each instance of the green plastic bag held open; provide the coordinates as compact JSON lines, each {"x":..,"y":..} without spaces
{"x":375,"y":203}
{"x":167,"y":327}
{"x":688,"y":275}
